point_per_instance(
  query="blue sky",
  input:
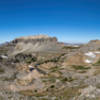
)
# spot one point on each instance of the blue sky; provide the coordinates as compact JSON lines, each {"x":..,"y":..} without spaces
{"x":68,"y":20}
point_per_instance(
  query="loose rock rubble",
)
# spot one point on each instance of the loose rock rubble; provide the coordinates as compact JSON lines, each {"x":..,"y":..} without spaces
{"x":41,"y":68}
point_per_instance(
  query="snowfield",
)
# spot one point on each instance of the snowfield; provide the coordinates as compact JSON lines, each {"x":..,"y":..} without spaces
{"x":97,"y":52}
{"x":90,"y":54}
{"x":88,"y":61}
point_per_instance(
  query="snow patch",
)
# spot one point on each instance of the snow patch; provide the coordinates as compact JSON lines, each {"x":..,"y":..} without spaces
{"x":90,"y":54}
{"x":30,"y":66}
{"x":75,"y":46}
{"x":97,"y":52}
{"x":4,"y":57}
{"x":88,"y":61}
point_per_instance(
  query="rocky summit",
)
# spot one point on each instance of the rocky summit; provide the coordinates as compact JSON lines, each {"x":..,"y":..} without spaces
{"x":42,"y":68}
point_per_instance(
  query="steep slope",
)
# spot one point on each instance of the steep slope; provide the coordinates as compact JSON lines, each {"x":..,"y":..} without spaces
{"x":41,"y":43}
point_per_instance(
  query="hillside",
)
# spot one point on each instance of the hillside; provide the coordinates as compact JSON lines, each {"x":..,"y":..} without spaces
{"x":42,"y":68}
{"x":31,"y":44}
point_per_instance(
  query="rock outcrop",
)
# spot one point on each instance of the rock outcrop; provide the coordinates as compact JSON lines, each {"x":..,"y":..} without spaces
{"x":91,"y":46}
{"x":41,"y":43}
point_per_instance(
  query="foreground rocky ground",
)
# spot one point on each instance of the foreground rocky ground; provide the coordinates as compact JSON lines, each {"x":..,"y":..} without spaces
{"x":41,"y":68}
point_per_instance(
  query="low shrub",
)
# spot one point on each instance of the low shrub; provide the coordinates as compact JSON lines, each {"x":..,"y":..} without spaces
{"x":97,"y":63}
{"x":2,"y":70}
{"x":80,"y":67}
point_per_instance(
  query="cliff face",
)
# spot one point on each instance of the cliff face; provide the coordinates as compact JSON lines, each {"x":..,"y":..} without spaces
{"x":35,"y":39}
{"x":40,"y":43}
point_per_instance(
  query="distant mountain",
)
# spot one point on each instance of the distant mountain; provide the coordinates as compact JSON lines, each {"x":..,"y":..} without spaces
{"x":40,"y":43}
